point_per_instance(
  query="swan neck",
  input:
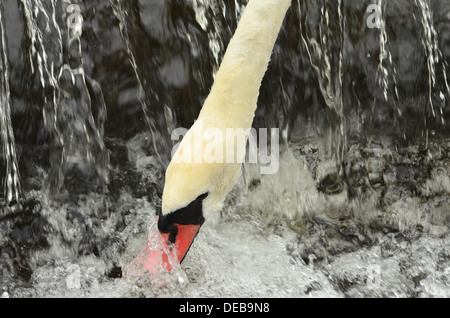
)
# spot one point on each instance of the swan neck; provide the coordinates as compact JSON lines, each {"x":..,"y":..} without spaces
{"x":235,"y":91}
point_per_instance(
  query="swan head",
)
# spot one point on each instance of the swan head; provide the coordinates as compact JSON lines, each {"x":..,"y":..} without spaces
{"x":182,"y":225}
{"x":195,"y":187}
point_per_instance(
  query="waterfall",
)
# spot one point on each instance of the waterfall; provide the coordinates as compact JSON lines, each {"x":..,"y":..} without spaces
{"x":73,"y":104}
{"x":91,"y":93}
{"x":385,"y":55}
{"x":76,"y":137}
{"x":212,"y":25}
{"x":156,"y":126}
{"x":82,"y":142}
{"x":434,"y":57}
{"x":324,"y":44}
{"x":11,"y":184}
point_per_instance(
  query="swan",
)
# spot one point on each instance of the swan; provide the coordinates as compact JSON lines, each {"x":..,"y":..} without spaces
{"x":196,"y":186}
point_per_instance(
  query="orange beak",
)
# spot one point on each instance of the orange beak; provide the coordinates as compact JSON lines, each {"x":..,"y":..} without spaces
{"x":184,"y":239}
{"x":162,"y":252}
{"x":171,"y":241}
{"x":185,"y":235}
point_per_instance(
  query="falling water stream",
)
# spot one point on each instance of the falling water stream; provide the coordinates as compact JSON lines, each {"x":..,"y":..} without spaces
{"x":90,"y":92}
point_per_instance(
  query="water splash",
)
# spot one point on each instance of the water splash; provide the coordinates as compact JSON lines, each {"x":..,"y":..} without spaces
{"x":156,"y":258}
{"x":158,"y":263}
